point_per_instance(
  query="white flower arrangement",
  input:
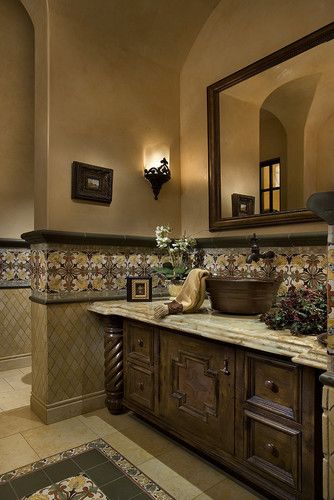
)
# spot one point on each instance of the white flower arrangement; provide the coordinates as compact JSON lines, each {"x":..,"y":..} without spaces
{"x":179,"y":251}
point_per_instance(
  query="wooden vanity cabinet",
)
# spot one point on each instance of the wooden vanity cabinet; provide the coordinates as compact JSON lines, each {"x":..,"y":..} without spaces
{"x":255,"y":413}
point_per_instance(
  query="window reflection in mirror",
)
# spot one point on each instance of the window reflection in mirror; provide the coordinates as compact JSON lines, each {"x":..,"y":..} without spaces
{"x":276,"y":133}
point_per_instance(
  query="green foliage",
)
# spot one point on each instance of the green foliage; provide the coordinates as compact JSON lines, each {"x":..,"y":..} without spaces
{"x":302,"y":311}
{"x":170,"y":272}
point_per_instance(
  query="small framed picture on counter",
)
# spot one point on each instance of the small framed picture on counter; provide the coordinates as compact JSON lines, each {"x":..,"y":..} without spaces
{"x":139,"y":289}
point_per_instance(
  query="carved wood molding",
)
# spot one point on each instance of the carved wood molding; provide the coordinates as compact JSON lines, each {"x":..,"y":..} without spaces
{"x":113,"y":363}
{"x":191,"y":374}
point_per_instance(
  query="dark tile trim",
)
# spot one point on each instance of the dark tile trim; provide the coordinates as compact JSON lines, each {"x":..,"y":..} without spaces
{"x":12,"y":243}
{"x":67,"y":237}
{"x":327,"y":378}
{"x":272,"y":240}
{"x":8,"y":285}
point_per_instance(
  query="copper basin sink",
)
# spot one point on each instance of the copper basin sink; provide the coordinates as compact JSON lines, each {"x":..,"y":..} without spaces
{"x":241,"y":296}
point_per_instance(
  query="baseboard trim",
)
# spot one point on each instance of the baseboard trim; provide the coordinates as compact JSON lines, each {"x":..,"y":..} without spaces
{"x":14,"y":362}
{"x":54,"y":412}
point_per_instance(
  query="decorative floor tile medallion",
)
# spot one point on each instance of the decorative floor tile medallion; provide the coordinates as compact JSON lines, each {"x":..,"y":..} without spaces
{"x":94,"y":470}
{"x":76,"y":487}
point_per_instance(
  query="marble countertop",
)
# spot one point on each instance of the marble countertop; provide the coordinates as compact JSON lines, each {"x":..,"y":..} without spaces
{"x":247,"y":331}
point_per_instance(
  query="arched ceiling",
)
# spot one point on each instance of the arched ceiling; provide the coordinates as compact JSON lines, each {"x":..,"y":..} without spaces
{"x":160,"y":30}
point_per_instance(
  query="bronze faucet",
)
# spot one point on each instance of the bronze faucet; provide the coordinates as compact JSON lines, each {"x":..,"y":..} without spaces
{"x":255,"y":254}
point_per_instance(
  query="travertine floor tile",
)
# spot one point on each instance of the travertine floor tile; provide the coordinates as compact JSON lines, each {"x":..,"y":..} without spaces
{"x":18,"y":420}
{"x":97,"y":425}
{"x":192,"y":467}
{"x":19,"y":381}
{"x":5,"y":386}
{"x":128,"y":448}
{"x":15,"y":399}
{"x":228,"y":490}
{"x":172,"y":482}
{"x":148,"y":438}
{"x":9,"y":373}
{"x":57,"y":437}
{"x":15,"y":452}
{"x":118,"y":422}
{"x":26,"y":369}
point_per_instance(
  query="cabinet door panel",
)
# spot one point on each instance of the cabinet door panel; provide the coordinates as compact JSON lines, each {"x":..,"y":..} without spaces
{"x":139,"y":342}
{"x":273,"y":385}
{"x":139,"y":386}
{"x":197,"y":389}
{"x":273,"y":449}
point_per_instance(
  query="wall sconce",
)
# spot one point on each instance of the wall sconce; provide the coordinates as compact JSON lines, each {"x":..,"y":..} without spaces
{"x":158,"y":176}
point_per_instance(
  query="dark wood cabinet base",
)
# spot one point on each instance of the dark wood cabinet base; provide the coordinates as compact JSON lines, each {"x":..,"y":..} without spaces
{"x":257,"y":415}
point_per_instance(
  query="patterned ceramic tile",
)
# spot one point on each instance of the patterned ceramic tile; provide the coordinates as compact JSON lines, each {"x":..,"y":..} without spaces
{"x":68,"y":353}
{"x":151,"y":489}
{"x":14,"y":267}
{"x":63,"y":271}
{"x":15,"y":327}
{"x":298,"y":267}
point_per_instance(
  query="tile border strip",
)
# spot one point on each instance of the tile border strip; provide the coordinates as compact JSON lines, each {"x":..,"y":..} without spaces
{"x":68,"y":237}
{"x":150,"y":487}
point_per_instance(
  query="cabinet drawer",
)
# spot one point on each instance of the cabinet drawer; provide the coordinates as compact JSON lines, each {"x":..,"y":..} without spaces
{"x":139,"y":386}
{"x":273,"y":385}
{"x":139,"y":342}
{"x":273,"y":449}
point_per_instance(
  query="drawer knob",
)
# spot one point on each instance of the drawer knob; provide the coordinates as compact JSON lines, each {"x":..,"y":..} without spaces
{"x":272,"y":449}
{"x":270,"y":384}
{"x":140,"y":342}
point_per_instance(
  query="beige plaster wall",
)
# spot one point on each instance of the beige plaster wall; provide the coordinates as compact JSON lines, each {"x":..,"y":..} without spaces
{"x":325,"y":158}
{"x":108,"y":107}
{"x":235,"y":35}
{"x":239,"y":151}
{"x":273,"y":145}
{"x":17,"y":120}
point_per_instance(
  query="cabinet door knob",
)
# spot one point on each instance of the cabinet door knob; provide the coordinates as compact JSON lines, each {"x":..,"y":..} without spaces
{"x":270,"y":384}
{"x":272,"y":449}
{"x":140,"y":342}
{"x":226,"y":371}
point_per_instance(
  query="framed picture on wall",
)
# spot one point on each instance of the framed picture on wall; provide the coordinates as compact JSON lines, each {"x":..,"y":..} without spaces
{"x":91,"y":183}
{"x":139,"y":289}
{"x":242,"y":204}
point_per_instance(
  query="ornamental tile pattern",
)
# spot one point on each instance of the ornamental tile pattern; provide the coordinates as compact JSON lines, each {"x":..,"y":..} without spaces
{"x":14,"y":267}
{"x":149,"y":487}
{"x":297,"y":266}
{"x":15,"y":327}
{"x":63,"y":271}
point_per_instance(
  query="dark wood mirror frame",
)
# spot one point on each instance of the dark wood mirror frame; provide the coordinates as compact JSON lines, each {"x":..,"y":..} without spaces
{"x":216,"y":222}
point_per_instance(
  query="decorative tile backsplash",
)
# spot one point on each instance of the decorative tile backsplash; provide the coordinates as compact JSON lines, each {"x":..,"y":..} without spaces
{"x":298,"y":266}
{"x":77,"y":272}
{"x":14,"y":267}
{"x":64,"y":271}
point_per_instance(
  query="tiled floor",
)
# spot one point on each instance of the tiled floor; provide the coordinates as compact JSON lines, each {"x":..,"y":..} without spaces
{"x":183,"y":474}
{"x":15,"y":387}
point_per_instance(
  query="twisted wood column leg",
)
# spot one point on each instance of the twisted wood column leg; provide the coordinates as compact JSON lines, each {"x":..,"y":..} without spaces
{"x":113,"y":363}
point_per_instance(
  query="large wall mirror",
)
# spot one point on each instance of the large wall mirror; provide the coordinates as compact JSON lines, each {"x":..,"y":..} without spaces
{"x":271,"y":136}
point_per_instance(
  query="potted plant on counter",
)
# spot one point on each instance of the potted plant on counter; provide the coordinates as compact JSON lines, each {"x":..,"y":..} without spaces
{"x":176,"y":269}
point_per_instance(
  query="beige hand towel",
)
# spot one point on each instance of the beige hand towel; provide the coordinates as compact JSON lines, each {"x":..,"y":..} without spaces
{"x":189,"y":299}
